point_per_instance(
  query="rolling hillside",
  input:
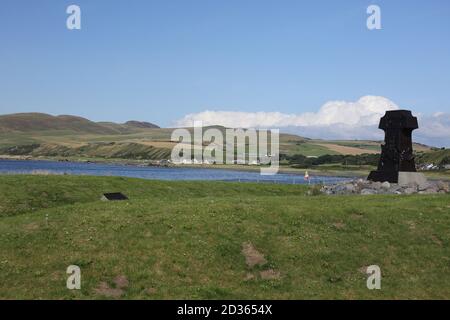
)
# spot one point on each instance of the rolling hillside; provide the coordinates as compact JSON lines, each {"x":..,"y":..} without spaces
{"x":30,"y":122}
{"x":437,"y":157}
{"x":38,"y":134}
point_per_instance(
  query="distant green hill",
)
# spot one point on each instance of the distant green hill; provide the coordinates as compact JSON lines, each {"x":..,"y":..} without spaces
{"x":437,"y":157}
{"x":38,"y":134}
{"x":28,"y":122}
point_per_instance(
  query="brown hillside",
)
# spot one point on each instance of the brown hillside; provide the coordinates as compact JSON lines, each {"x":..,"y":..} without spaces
{"x":26,"y":122}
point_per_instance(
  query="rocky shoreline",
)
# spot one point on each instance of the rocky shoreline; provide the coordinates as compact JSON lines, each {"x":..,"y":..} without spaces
{"x":365,"y":187}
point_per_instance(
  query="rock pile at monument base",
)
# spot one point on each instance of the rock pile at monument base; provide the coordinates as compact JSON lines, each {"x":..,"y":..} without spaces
{"x":365,"y":187}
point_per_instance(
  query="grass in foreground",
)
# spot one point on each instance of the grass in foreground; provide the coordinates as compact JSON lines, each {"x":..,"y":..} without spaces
{"x":184,"y":240}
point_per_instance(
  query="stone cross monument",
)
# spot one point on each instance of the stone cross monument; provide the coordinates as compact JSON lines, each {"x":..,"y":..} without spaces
{"x":397,"y":163}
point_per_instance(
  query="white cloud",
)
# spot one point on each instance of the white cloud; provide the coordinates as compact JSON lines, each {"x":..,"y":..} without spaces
{"x":334,"y":120}
{"x":434,"y":130}
{"x":366,"y":111}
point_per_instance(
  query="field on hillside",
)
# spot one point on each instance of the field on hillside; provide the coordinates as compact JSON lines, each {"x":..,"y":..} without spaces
{"x":43,"y":135}
{"x":153,"y":144}
{"x":216,"y":240}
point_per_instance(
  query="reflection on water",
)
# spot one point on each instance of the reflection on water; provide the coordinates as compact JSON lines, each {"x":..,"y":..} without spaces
{"x":157,"y":173}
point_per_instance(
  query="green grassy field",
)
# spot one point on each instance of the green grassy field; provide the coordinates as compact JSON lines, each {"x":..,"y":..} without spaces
{"x":305,"y":148}
{"x":185,"y":240}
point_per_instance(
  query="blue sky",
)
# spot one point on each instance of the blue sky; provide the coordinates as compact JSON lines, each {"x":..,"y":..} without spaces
{"x":160,"y":60}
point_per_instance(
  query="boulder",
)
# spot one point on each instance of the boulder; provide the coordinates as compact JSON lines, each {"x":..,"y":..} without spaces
{"x":424,"y":186}
{"x":409,"y":178}
{"x":365,"y":187}
{"x":410,"y":190}
{"x":350,"y":188}
{"x":443,"y":186}
{"x":368,"y":191}
{"x":386,"y":185}
{"x":376,"y":185}
{"x":395,"y":189}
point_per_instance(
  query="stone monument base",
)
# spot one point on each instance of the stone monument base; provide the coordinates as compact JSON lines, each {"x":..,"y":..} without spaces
{"x":402,"y":178}
{"x":410,"y":178}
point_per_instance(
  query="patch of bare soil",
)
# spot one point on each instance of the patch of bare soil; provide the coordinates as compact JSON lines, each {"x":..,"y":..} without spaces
{"x":31,"y":226}
{"x":252,"y":256}
{"x":339,"y":225}
{"x":105,"y":290}
{"x":270,"y":274}
{"x":121,"y":282}
{"x":249,"y":277}
{"x":151,"y":291}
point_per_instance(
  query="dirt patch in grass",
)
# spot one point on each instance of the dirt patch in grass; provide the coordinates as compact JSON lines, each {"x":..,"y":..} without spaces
{"x":151,"y":291}
{"x":121,"y":282}
{"x":31,"y":226}
{"x":249,"y":277}
{"x":105,"y":290}
{"x":252,"y":256}
{"x":270,"y":274}
{"x":339,"y":225}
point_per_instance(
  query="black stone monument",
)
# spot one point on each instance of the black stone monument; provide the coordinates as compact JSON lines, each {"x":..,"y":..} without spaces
{"x":396,"y":152}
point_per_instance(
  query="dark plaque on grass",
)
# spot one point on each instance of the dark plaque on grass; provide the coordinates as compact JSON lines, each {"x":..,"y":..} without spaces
{"x":396,"y":152}
{"x":114,"y":196}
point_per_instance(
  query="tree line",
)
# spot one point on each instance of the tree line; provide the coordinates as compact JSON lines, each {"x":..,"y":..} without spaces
{"x":299,"y":160}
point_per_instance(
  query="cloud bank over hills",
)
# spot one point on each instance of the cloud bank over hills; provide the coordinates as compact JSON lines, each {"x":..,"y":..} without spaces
{"x":334,"y":120}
